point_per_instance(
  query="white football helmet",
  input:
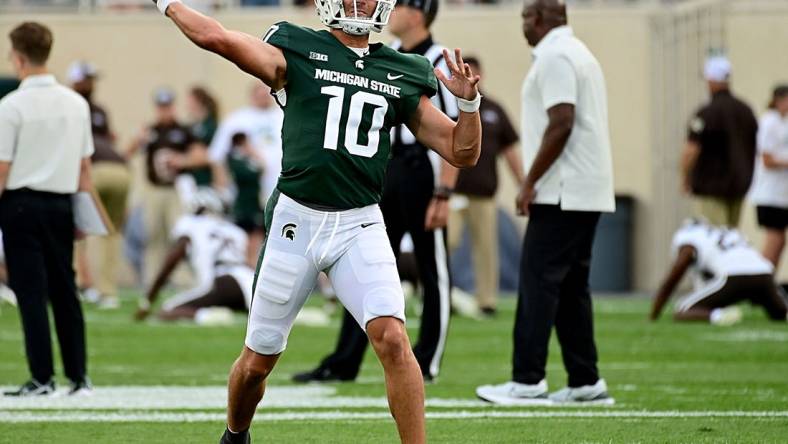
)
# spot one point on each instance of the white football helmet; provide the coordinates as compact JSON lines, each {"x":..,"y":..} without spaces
{"x":333,"y":14}
{"x":205,"y":200}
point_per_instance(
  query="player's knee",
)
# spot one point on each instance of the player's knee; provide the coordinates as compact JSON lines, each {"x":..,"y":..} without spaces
{"x":265,"y":341}
{"x":389,"y":340}
{"x":254,"y":369}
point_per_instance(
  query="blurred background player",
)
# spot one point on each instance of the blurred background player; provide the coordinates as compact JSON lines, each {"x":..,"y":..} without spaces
{"x":170,"y":149}
{"x":725,"y":271}
{"x":112,"y":179}
{"x":415,"y":201}
{"x":261,"y":122}
{"x":769,"y":191}
{"x":216,"y":251}
{"x":473,"y":203}
{"x":203,"y":116}
{"x":246,"y":168}
{"x":719,"y":156}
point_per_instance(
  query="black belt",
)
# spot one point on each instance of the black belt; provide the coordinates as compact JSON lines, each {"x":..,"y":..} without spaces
{"x":27,"y":192}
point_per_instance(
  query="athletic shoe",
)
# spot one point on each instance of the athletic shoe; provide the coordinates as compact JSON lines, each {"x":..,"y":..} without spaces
{"x":726,"y":316}
{"x":7,"y":295}
{"x":81,"y":388}
{"x":108,"y":303}
{"x":514,"y":393}
{"x":33,"y":388}
{"x":213,"y":316}
{"x":587,"y":395}
{"x":235,"y":438}
{"x":320,"y":374}
{"x":90,"y":295}
{"x":464,"y":304}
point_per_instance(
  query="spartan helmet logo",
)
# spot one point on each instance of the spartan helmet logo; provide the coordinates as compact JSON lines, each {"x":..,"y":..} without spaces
{"x":289,"y":231}
{"x":359,"y":64}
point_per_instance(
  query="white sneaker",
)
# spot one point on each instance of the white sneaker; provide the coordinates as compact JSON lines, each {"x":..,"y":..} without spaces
{"x":7,"y":295}
{"x":726,"y":316}
{"x":586,"y":395}
{"x":514,"y":393}
{"x":108,"y":303}
{"x":213,"y":316}
{"x":465,"y":304}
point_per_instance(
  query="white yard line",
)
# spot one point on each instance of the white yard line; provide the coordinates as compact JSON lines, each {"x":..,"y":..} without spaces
{"x":168,"y":417}
{"x":207,"y":398}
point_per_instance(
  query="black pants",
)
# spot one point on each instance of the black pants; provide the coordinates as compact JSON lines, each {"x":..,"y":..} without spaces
{"x":38,"y":237}
{"x":408,"y":192}
{"x":554,"y":289}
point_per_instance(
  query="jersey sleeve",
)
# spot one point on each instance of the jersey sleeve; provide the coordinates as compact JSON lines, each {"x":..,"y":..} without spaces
{"x":688,"y":236}
{"x":181,"y":229}
{"x":425,"y":85}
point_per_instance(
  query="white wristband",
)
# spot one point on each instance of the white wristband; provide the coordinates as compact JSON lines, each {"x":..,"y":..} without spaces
{"x":469,"y":106}
{"x":163,"y":4}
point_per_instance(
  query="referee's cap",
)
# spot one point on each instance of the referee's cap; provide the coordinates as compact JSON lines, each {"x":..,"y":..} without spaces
{"x":717,"y":69}
{"x":81,"y":70}
{"x":428,"y":7}
{"x":163,"y":96}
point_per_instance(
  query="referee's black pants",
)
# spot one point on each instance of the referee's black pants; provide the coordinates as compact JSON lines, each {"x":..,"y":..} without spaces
{"x":554,"y":290}
{"x":38,"y":238}
{"x":409,"y":188}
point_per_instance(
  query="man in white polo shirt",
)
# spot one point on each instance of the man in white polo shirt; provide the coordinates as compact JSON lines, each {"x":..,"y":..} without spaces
{"x":566,"y":147}
{"x":45,"y":149}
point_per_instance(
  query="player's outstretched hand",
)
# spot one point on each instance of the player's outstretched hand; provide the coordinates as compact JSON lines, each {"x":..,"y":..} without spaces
{"x":463,"y":81}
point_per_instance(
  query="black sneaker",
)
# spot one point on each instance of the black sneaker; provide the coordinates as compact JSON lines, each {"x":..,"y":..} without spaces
{"x":33,"y":388}
{"x":81,"y":388}
{"x":489,"y":312}
{"x":320,"y":374}
{"x":235,"y":438}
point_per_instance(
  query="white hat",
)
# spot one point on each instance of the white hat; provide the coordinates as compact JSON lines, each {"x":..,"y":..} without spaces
{"x":81,"y":70}
{"x":717,"y":69}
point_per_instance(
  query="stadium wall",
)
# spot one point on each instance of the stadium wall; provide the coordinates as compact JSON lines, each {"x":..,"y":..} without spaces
{"x":651,"y":57}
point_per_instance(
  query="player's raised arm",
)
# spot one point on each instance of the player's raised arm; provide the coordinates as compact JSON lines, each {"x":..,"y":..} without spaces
{"x":459,"y":143}
{"x":683,"y":261}
{"x":250,"y":53}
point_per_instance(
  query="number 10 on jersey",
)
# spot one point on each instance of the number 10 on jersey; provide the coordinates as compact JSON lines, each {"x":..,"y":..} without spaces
{"x":357,"y":102}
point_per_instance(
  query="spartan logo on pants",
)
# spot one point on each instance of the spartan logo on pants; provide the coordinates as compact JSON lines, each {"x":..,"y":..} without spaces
{"x":289,"y":231}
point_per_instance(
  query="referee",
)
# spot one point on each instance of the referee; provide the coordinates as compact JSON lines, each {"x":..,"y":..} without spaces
{"x":45,"y":149}
{"x":415,"y":201}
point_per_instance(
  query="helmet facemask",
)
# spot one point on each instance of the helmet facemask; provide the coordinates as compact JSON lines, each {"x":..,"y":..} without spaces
{"x":332,"y":13}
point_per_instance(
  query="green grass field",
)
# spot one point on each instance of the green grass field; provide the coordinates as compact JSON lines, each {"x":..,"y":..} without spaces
{"x":672,"y":383}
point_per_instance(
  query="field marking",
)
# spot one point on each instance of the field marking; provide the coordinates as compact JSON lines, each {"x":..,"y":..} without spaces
{"x":207,"y":398}
{"x":748,"y":336}
{"x":168,"y":417}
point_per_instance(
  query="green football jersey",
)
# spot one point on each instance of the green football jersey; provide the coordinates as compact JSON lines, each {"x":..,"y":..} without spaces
{"x":338,"y":114}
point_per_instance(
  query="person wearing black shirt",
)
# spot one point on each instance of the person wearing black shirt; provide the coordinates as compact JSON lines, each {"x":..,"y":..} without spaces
{"x":170,"y":149}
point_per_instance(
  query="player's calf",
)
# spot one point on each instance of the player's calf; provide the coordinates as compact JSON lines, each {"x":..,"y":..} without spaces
{"x":404,"y":383}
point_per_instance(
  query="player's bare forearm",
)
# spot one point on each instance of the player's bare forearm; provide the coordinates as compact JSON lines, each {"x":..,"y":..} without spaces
{"x":202,"y":30}
{"x":175,"y":255}
{"x":680,"y":266}
{"x":249,"y":53}
{"x":559,"y":128}
{"x":458,"y":143}
{"x":467,"y":140}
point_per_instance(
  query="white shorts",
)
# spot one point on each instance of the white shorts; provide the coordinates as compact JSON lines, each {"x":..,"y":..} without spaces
{"x":351,"y":246}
